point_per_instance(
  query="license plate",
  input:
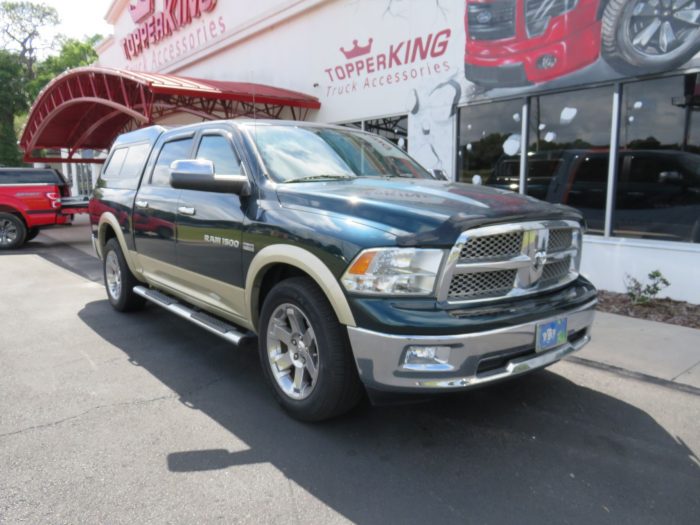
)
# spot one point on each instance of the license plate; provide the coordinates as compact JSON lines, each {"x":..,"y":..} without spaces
{"x":550,"y":335}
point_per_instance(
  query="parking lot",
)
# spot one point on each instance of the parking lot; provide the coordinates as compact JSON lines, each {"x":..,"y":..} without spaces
{"x":142,"y":418}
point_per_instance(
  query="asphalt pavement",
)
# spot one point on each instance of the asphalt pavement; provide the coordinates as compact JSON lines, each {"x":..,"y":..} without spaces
{"x":142,"y":418}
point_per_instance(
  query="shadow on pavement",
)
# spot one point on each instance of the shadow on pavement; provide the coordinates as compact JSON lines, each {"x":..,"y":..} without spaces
{"x":63,"y":255}
{"x":537,"y":449}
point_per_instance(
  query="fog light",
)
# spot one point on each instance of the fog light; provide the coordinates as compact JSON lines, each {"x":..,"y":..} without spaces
{"x":546,"y":62}
{"x":427,"y":358}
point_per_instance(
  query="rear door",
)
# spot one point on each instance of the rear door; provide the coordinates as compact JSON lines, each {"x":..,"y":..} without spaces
{"x":155,"y":210}
{"x":209,"y":229}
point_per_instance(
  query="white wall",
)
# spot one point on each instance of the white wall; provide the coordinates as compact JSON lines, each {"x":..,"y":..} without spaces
{"x":299,"y":45}
{"x":607,"y":261}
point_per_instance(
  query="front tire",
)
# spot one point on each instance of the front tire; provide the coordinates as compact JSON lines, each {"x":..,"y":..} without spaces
{"x":13,"y":232}
{"x":305,"y":352}
{"x":639,"y":37}
{"x":119,"y":281}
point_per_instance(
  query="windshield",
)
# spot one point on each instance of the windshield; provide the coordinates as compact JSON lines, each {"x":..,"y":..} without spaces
{"x":300,"y":154}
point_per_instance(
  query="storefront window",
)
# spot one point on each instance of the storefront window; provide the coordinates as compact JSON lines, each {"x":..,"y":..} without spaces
{"x":568,"y":154}
{"x":658,"y":184}
{"x":489,"y":143}
{"x":394,"y":129}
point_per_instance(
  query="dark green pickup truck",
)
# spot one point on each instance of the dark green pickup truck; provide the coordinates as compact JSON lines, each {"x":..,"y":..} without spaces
{"x":358,"y":271}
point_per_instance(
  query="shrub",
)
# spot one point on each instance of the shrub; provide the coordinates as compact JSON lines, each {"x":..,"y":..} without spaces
{"x":645,"y":293}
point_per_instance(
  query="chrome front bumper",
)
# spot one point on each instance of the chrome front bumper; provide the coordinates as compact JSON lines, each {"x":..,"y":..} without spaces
{"x":474,"y":359}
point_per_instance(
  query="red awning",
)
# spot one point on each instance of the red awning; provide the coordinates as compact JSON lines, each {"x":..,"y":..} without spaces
{"x":87,"y":108}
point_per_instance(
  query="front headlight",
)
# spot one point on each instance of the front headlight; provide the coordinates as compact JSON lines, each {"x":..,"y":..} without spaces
{"x":393,"y":271}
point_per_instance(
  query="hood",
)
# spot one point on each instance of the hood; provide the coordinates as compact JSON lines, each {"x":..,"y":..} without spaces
{"x":418,"y":211}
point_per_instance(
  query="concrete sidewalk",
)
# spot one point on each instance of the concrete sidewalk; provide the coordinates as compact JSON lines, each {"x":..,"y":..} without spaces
{"x":663,"y":351}
{"x":660,"y":350}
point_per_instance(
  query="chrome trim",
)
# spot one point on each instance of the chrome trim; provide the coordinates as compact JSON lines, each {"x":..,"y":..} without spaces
{"x":224,"y":330}
{"x":514,"y":367}
{"x":380,"y":357}
{"x":529,"y":263}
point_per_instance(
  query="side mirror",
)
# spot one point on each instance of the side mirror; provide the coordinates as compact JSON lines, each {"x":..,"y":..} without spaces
{"x":477,"y":181}
{"x":438,"y":174}
{"x":199,"y":175}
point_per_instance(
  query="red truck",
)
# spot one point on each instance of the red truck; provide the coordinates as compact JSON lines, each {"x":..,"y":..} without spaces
{"x":32,"y":199}
{"x":520,"y":42}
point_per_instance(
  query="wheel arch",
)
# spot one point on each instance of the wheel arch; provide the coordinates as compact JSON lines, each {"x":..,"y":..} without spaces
{"x":109,"y":228}
{"x":15,"y":207}
{"x":279,"y":261}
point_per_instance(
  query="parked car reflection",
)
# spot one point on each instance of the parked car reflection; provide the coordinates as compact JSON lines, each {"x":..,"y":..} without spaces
{"x":657,"y":193}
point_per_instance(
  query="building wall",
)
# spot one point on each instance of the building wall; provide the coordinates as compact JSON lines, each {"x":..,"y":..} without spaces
{"x":372,"y":58}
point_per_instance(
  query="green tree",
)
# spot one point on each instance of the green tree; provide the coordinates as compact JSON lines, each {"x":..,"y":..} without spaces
{"x":12,"y":102}
{"x":73,"y":53}
{"x":22,"y":26}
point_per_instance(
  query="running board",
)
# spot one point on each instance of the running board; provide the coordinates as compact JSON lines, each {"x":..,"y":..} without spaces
{"x":201,"y":319}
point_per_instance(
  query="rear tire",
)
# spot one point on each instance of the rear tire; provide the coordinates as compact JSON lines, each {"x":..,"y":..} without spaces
{"x":119,"y":281}
{"x":31,"y":234}
{"x":13,"y":232}
{"x":305,"y":352}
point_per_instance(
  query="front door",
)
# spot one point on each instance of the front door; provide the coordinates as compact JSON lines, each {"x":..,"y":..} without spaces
{"x":209,"y":228}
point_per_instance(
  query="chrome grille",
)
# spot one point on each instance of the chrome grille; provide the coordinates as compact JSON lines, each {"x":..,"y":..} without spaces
{"x":510,"y":260}
{"x":554,"y":271}
{"x":560,"y":240}
{"x":487,"y":284}
{"x":493,"y":246}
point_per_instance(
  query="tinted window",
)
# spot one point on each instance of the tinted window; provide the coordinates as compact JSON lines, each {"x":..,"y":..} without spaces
{"x":658,"y":186}
{"x":170,"y":152}
{"x":572,"y":128}
{"x":114,"y":167}
{"x":217,"y":149}
{"x":29,"y":176}
{"x":125,"y":166}
{"x":489,"y":143}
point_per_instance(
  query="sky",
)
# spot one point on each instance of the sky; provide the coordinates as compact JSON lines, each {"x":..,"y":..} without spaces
{"x":81,"y":18}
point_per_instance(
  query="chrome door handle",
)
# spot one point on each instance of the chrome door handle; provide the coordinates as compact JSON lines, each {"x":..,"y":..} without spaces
{"x":141,"y":204}
{"x":186,"y":210}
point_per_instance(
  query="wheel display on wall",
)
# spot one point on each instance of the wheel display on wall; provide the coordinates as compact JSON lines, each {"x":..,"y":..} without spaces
{"x":650,"y":36}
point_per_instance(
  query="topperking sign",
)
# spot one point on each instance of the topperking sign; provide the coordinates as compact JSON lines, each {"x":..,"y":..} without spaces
{"x":154,"y":27}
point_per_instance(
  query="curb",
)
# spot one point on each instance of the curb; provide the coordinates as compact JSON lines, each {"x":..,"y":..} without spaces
{"x":682,"y":387}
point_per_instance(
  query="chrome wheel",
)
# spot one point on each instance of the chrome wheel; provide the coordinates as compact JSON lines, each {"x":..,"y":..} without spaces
{"x":292,"y":351}
{"x":662,"y":28}
{"x":113,"y":275}
{"x":8,"y":232}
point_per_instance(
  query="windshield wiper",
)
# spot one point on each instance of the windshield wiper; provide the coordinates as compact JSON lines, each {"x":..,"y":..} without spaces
{"x":320,"y":177}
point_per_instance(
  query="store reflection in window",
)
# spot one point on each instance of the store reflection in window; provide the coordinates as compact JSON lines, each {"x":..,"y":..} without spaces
{"x":394,"y":128}
{"x":658,"y":185}
{"x":489,"y":143}
{"x":568,"y":154}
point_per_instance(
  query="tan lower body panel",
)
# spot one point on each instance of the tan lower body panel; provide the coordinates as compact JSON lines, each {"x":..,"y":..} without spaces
{"x":222,"y":299}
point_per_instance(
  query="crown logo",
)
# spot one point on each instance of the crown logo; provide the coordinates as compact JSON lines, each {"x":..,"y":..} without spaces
{"x":358,"y":50}
{"x":141,"y":9}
